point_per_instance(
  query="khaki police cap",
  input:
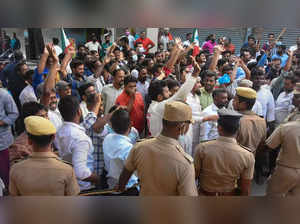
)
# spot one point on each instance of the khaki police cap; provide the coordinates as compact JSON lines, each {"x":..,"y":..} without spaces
{"x":38,"y":126}
{"x":297,"y":88}
{"x":177,"y":111}
{"x":246,"y":92}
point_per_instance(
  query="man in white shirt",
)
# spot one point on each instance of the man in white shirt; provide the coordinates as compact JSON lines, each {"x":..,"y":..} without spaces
{"x":283,"y":105}
{"x":142,"y":84}
{"x":159,"y":94}
{"x":111,"y":92}
{"x":116,"y":148}
{"x":209,"y":130}
{"x":74,"y":145}
{"x":28,"y":94}
{"x":188,"y":40}
{"x":264,"y":96}
{"x":193,"y":101}
{"x":93,"y":45}
{"x":131,"y":38}
{"x":57,"y":48}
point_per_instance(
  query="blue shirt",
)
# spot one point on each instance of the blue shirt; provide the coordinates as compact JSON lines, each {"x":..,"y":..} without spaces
{"x":283,"y":58}
{"x":38,"y":78}
{"x":240,"y":73}
{"x":116,"y":149}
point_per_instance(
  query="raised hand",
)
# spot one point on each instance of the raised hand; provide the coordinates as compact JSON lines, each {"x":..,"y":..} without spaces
{"x":197,"y":68}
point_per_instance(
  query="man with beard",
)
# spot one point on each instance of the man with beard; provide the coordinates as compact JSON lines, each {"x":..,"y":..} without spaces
{"x":264,"y":96}
{"x":193,"y":101}
{"x":87,"y":93}
{"x":49,"y":98}
{"x":281,"y":54}
{"x":142,"y":84}
{"x":274,"y":69}
{"x":206,"y":92}
{"x":110,"y":92}
{"x":134,"y":102}
{"x":283,"y":105}
{"x":74,"y":145}
{"x":160,"y":95}
{"x":209,"y":130}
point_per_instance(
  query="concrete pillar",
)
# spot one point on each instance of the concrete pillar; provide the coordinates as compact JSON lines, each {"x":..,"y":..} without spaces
{"x":152,"y":33}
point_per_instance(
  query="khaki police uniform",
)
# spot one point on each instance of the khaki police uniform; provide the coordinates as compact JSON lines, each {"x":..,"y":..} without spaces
{"x":286,"y":177}
{"x":252,"y":132}
{"x":220,"y":164}
{"x":43,"y":174}
{"x":253,"y":129}
{"x":162,"y":165}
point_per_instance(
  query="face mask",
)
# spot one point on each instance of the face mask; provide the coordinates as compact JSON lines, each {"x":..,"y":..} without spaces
{"x":134,"y":57}
{"x":141,"y":49}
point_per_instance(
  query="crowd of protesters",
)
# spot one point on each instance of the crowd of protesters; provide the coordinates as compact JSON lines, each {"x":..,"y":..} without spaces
{"x":116,"y":116}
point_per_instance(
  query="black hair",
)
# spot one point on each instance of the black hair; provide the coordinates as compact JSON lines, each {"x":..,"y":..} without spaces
{"x":68,"y":107}
{"x":271,"y":34}
{"x":41,"y":141}
{"x":291,"y":77}
{"x":251,"y":65}
{"x":209,"y":73}
{"x":28,"y":75}
{"x":172,"y":83}
{"x":227,"y":68}
{"x":156,"y":88}
{"x":128,"y":79}
{"x":93,"y":52}
{"x":209,"y":37}
{"x":228,"y":125}
{"x":114,"y":73}
{"x":251,"y":37}
{"x":84,"y":87}
{"x":113,"y":108}
{"x":250,"y":102}
{"x":80,"y":45}
{"x":19,"y":66}
{"x":188,"y":34}
{"x":55,"y":40}
{"x":221,"y":62}
{"x":243,"y":50}
{"x":156,"y":67}
{"x":157,"y":52}
{"x":75,"y":63}
{"x":120,"y":121}
{"x":32,"y":108}
{"x":226,"y":52}
{"x":218,"y":91}
{"x":256,"y":72}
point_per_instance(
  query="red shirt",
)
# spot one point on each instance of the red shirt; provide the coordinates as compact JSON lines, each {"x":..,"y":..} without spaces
{"x":146,"y":42}
{"x":137,"y":112}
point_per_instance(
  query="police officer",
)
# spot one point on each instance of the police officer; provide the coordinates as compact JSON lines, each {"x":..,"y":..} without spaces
{"x":253,"y":129}
{"x":222,"y":165}
{"x":285,"y":180}
{"x":162,"y":166}
{"x":43,"y":173}
{"x":296,"y":102}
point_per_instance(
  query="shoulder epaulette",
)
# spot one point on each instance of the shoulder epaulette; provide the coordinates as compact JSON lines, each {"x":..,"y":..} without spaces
{"x":244,"y":147}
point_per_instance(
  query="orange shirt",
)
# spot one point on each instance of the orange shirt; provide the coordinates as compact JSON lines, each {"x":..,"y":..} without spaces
{"x":137,"y":113}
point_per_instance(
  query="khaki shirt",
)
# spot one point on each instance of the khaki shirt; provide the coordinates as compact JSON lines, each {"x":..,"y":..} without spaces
{"x":295,"y":115}
{"x":253,"y":130}
{"x":43,"y":174}
{"x":163,"y":167}
{"x":287,"y":135}
{"x":220,"y":163}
